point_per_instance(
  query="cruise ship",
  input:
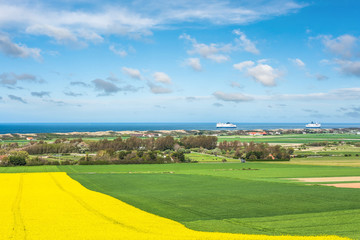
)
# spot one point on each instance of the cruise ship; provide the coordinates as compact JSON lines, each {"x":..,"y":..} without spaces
{"x":225,"y":125}
{"x":313,"y":125}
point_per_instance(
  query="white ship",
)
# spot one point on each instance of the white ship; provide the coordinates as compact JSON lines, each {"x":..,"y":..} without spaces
{"x":225,"y":125}
{"x":313,"y":125}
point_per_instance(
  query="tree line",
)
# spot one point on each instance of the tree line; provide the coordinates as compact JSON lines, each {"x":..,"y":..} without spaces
{"x":255,"y":151}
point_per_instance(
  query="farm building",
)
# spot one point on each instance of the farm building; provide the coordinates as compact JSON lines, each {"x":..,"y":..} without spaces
{"x":257,"y":133}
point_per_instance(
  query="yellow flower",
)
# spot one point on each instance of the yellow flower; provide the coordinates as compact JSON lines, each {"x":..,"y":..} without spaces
{"x":51,"y":206}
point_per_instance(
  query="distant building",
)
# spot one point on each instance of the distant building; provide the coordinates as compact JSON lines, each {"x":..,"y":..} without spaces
{"x":257,"y":133}
{"x":30,"y":139}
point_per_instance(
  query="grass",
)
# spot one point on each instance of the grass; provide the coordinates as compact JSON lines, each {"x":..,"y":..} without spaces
{"x":293,"y":138}
{"x":228,"y":197}
{"x":200,"y":157}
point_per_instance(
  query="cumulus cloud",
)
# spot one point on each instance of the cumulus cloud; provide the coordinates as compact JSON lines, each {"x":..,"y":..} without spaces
{"x":245,"y":43}
{"x":72,"y":94}
{"x":246,"y":64}
{"x":232,"y":97}
{"x":348,"y":67}
{"x":212,"y":51}
{"x":132,"y":72}
{"x":113,"y":78}
{"x":11,"y":49}
{"x":109,"y":88}
{"x":40,"y":94}
{"x":217,"y":52}
{"x":346,"y":50}
{"x":12,"y":79}
{"x":162,"y":78}
{"x":321,"y":77}
{"x":262,"y":73}
{"x":61,"y":35}
{"x":79,"y":83}
{"x":119,"y":52}
{"x":156,"y":89}
{"x":298,"y":62}
{"x":343,"y":46}
{"x":194,"y":63}
{"x":16,"y":98}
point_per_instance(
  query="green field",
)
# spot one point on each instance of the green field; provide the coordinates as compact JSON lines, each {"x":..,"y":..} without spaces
{"x":229,"y":197}
{"x":200,"y":157}
{"x":293,"y":138}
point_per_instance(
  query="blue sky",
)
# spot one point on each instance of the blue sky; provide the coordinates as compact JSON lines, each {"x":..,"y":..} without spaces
{"x":179,"y":61}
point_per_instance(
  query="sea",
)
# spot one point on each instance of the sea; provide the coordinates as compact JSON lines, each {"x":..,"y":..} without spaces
{"x":94,"y":127}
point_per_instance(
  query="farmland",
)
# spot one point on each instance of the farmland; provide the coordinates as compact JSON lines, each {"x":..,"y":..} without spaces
{"x":250,"y":198}
{"x":214,"y":191}
{"x":293,"y":138}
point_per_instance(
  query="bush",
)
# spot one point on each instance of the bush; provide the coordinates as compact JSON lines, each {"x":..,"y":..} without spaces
{"x":18,"y":158}
{"x":35,"y":161}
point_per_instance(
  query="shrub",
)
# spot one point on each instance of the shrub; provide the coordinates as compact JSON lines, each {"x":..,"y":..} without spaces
{"x":18,"y":158}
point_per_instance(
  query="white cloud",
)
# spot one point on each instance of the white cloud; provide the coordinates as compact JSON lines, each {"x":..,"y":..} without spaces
{"x":162,"y":77}
{"x":134,"y":18}
{"x":212,"y":51}
{"x":298,"y":62}
{"x":240,"y":66}
{"x":221,"y":12}
{"x":194,"y":63}
{"x":232,"y":97}
{"x":12,"y":79}
{"x":120,"y":52}
{"x":156,"y":89}
{"x":343,"y":46}
{"x":348,"y":67}
{"x":60,"y":34}
{"x":245,"y":43}
{"x":133,"y":73}
{"x":347,"y":52}
{"x":264,"y":74}
{"x":335,"y":95}
{"x":343,"y":94}
{"x":321,"y":77}
{"x":11,"y":49}
{"x":108,"y":88}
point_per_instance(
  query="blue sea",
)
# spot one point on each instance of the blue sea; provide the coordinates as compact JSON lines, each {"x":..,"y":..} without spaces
{"x":93,"y":127}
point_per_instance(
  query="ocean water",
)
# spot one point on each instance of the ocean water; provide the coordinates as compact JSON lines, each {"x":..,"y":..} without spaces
{"x":93,"y":127}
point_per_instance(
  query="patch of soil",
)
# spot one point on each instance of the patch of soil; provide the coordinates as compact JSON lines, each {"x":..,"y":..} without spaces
{"x":344,"y":185}
{"x":328,"y":179}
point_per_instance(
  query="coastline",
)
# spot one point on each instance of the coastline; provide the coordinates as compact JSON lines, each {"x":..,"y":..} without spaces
{"x":151,"y":133}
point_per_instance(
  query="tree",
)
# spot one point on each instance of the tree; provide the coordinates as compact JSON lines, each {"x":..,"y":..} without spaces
{"x":164,"y":143}
{"x":18,"y":158}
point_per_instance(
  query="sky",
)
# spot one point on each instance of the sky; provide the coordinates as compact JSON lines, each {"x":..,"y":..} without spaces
{"x":180,"y":61}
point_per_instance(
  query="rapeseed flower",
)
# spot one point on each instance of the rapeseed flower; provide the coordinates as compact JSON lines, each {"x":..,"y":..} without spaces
{"x":52,"y":206}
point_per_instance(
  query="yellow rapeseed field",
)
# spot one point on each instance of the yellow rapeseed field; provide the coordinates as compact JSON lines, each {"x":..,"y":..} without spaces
{"x":35,"y":206}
